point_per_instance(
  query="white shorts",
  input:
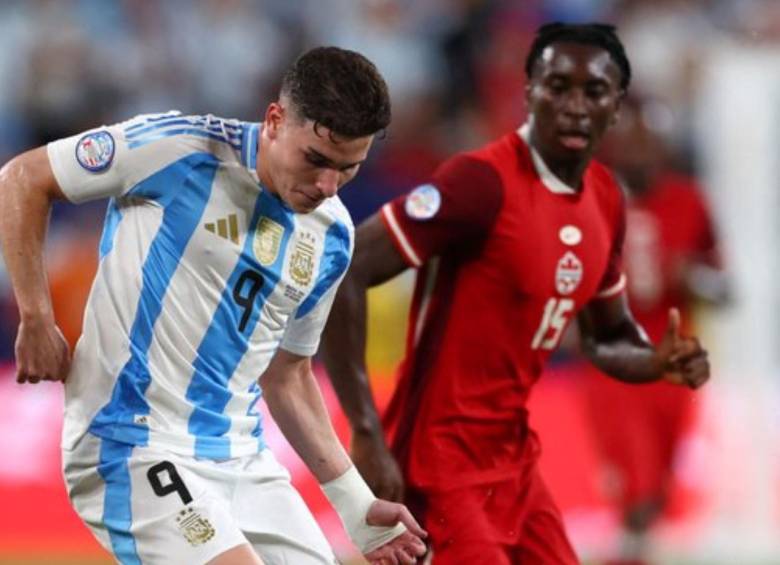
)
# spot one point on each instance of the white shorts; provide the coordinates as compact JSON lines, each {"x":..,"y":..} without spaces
{"x":150,"y":506}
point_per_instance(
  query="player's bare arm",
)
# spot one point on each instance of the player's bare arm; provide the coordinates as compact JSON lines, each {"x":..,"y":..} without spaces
{"x":381,"y":529}
{"x":375,"y":261}
{"x":617,"y":345}
{"x":27,"y":190}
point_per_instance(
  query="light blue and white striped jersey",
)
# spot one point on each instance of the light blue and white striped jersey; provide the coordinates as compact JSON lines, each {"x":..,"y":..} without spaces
{"x":203,"y":274}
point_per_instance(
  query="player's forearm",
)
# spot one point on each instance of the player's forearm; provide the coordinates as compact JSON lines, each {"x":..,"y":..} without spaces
{"x":24,"y":217}
{"x":297,"y":407}
{"x":627,"y":355}
{"x":627,"y":362}
{"x":343,"y":351}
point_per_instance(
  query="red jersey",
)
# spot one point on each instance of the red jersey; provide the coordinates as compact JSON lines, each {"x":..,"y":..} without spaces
{"x":667,"y":226}
{"x":507,"y":256}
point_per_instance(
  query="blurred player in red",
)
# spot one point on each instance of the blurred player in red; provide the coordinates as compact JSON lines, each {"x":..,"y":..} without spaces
{"x":512,"y":241}
{"x":671,"y":260}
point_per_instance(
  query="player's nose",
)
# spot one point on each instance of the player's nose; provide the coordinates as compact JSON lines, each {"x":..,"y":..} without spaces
{"x":575,"y":103}
{"x":328,"y":182}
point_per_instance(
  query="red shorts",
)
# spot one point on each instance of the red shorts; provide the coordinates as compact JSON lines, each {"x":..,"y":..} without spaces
{"x":637,"y":428}
{"x":506,"y":523}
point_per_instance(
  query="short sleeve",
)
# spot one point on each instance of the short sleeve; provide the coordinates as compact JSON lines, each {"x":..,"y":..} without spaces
{"x":86,"y":165}
{"x":305,"y":326}
{"x":614,"y":280}
{"x":459,"y":204}
{"x":303,"y":334}
{"x":110,"y":160}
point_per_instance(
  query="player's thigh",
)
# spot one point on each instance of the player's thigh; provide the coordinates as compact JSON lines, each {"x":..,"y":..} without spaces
{"x":543,"y":538}
{"x":511,"y":522}
{"x":461,"y":529}
{"x":474,"y":552}
{"x":275,"y":519}
{"x":149,"y":507}
{"x":85,"y":486}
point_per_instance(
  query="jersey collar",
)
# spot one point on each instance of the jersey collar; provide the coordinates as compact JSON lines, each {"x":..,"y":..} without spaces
{"x":550,"y":181}
{"x":249,"y":141}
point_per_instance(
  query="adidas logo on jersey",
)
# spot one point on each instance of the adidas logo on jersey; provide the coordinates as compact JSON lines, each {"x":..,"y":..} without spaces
{"x":226,"y":228}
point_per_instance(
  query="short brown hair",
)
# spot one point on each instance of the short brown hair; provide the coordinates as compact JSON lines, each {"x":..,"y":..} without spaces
{"x":339,"y":89}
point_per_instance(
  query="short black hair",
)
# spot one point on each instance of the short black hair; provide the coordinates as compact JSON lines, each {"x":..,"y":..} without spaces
{"x":339,"y":89}
{"x":598,"y":34}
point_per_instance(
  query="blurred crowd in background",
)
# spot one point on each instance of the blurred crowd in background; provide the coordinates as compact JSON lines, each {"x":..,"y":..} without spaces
{"x":704,"y":80}
{"x":454,"y":68}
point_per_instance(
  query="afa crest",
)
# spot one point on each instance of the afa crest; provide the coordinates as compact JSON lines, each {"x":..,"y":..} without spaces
{"x":268,"y":239}
{"x":568,"y":273}
{"x":196,"y":529}
{"x":302,"y":259}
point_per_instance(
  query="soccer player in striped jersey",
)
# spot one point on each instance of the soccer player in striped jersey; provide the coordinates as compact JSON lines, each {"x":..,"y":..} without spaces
{"x":512,"y":242}
{"x":223,"y":246}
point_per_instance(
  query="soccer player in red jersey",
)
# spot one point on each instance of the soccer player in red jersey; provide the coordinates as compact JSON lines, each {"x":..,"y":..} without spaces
{"x":671,"y":260}
{"x":512,"y":242}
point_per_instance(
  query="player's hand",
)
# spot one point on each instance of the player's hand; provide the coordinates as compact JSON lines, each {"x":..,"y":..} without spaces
{"x":685,"y":361}
{"x":377,"y":465}
{"x":42,"y":354}
{"x":404,"y":549}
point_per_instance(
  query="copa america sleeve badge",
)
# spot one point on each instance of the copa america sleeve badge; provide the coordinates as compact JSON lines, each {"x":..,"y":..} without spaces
{"x":95,"y":151}
{"x":423,"y":202}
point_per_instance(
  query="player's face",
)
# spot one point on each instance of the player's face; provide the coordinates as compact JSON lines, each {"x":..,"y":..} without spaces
{"x":573,"y":97}
{"x":305,"y":165}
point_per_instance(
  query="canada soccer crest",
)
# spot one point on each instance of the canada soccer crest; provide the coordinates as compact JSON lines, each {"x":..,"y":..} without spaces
{"x":568,"y":274}
{"x":95,"y":151}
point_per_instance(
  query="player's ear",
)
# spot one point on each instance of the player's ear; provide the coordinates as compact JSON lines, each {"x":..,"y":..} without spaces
{"x":274,"y":116}
{"x":527,"y":94}
{"x":615,"y":117}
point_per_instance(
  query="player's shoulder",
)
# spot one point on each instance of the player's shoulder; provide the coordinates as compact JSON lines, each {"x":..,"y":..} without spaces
{"x":604,"y":181}
{"x":482,"y":167}
{"x":601,"y":173}
{"x":333,"y":212}
{"x":331,"y":224}
{"x":504,"y":151}
{"x":223,"y":137}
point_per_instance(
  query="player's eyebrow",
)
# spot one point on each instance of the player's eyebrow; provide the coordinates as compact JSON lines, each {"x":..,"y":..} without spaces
{"x":321,"y":160}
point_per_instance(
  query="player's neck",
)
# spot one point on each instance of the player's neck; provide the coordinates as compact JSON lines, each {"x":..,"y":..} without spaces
{"x":569,"y":171}
{"x":262,"y":164}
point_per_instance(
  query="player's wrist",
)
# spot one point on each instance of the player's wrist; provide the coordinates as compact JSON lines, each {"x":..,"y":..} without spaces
{"x":36,"y":314}
{"x":367,"y":429}
{"x":352,"y":498}
{"x":653,"y":362}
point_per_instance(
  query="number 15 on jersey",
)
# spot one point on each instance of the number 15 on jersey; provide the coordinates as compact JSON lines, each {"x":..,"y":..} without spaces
{"x":554,"y":319}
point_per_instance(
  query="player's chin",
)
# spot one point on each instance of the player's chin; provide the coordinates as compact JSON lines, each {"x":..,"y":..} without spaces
{"x":300,"y":207}
{"x":303,"y":204}
{"x":580,"y":150}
